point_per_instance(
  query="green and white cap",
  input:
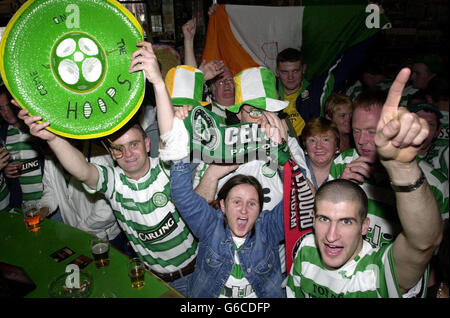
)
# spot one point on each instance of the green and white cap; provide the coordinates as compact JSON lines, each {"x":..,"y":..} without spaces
{"x":256,"y":87}
{"x":185,"y":85}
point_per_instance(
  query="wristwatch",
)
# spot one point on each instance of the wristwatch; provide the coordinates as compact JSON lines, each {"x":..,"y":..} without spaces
{"x":409,"y":187}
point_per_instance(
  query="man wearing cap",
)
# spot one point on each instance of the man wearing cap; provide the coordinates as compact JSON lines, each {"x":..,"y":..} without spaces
{"x":362,"y":165}
{"x":138,"y":188}
{"x":428,"y":150}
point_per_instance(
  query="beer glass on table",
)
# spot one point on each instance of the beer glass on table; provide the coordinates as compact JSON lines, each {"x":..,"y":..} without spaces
{"x":31,"y":216}
{"x":136,"y":271}
{"x":100,"y":249}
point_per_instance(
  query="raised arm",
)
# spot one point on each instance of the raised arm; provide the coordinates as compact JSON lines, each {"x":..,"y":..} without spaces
{"x":144,"y":59}
{"x":70,"y":157}
{"x":399,"y":133}
{"x":189,"y":29}
{"x":207,"y":188}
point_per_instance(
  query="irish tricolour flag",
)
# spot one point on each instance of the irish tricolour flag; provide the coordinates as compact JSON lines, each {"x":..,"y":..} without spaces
{"x":246,"y":36}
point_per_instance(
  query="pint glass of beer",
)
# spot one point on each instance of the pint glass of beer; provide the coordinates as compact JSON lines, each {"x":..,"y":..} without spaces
{"x":100,"y":249}
{"x":31,"y":217}
{"x":16,"y":160}
{"x":136,"y":271}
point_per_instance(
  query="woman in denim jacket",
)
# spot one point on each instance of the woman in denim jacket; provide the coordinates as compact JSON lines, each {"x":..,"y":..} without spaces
{"x":238,"y":232}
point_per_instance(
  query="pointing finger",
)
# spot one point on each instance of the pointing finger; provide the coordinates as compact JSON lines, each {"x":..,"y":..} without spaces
{"x":390,"y":107}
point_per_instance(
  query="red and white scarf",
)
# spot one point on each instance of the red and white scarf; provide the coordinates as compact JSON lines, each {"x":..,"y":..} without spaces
{"x":298,"y":209}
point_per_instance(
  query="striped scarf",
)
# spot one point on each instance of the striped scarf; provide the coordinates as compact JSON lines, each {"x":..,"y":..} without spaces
{"x":213,"y":142}
{"x":298,"y":202}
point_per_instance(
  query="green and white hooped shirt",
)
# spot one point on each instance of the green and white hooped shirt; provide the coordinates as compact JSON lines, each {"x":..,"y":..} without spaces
{"x":442,"y":138}
{"x":237,"y":286}
{"x":382,"y":208}
{"x":148,"y":217}
{"x":4,"y":195}
{"x":30,"y":178}
{"x":371,"y":274}
{"x":384,"y":85}
{"x":439,"y":186}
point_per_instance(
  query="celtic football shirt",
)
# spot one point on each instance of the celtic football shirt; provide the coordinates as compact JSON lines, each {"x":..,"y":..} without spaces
{"x":30,"y":178}
{"x":237,"y":286}
{"x":148,"y":217}
{"x":370,"y":274}
{"x":382,"y":211}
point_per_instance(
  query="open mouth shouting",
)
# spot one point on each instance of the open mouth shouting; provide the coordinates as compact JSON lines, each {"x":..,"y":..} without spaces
{"x":333,"y":250}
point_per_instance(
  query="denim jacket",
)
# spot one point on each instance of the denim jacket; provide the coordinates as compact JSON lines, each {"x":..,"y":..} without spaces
{"x":259,"y":255}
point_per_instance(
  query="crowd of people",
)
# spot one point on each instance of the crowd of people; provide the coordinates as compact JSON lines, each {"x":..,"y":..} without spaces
{"x":376,"y":164}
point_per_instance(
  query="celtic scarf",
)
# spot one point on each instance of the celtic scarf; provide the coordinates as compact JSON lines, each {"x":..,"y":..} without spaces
{"x":298,"y":202}
{"x":213,"y":142}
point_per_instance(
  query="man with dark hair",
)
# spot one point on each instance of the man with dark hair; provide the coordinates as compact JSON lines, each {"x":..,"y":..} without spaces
{"x":307,"y":96}
{"x":290,"y":70}
{"x":335,"y":261}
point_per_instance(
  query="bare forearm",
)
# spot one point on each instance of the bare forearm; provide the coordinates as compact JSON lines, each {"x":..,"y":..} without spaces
{"x":164,"y":108}
{"x":189,"y":53}
{"x":74,"y":161}
{"x":421,"y":225}
{"x":418,"y":210}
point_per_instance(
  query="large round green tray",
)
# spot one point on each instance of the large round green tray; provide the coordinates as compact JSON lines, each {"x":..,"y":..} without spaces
{"x":29,"y":65}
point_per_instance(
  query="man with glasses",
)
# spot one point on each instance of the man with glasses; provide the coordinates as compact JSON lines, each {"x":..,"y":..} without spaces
{"x":222,"y":92}
{"x":138,"y":188}
{"x":221,"y":88}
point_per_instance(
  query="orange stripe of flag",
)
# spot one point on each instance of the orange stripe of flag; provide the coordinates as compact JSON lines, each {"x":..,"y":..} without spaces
{"x":222,"y":45}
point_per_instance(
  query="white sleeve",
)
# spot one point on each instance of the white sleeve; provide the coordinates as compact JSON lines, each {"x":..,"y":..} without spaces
{"x":298,"y":155}
{"x":176,"y":142}
{"x":48,"y":193}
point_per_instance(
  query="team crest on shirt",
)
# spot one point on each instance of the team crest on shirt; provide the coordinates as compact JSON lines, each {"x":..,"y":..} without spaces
{"x":305,"y":94}
{"x":159,"y":199}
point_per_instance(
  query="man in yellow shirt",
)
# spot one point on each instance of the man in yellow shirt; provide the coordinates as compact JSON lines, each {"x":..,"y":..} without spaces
{"x":290,"y":70}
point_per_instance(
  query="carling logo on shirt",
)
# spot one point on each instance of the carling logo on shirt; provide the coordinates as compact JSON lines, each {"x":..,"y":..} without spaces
{"x":163,"y":229}
{"x":30,"y":165}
